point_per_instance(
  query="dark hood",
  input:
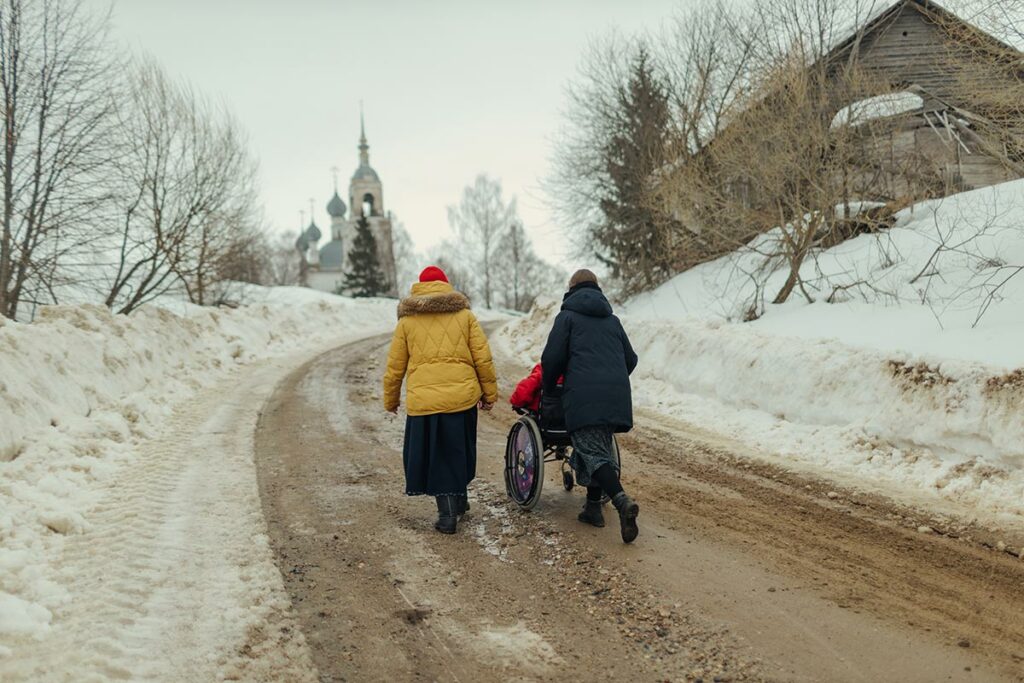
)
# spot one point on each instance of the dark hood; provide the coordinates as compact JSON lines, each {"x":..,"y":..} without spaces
{"x":587,"y":299}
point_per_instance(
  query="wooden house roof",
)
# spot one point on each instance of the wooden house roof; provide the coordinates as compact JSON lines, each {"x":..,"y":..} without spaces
{"x":935,"y":12}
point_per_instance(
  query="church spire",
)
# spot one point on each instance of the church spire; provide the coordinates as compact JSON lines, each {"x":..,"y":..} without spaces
{"x":364,"y":148}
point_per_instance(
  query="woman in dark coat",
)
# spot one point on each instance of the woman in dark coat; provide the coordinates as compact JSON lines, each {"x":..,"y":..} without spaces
{"x":588,"y":345}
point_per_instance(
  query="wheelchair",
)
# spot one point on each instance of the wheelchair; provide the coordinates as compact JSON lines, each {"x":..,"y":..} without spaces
{"x":536,"y":438}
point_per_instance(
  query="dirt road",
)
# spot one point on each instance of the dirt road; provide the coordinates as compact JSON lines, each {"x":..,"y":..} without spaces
{"x":741,"y":572}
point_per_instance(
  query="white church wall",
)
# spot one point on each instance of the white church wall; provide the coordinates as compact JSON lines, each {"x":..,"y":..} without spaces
{"x":324,"y":282}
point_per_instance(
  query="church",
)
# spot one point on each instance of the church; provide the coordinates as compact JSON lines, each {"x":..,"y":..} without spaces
{"x":324,"y":267}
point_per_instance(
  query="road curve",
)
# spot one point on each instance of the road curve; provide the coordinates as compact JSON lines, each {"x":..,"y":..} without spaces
{"x":742,"y":571}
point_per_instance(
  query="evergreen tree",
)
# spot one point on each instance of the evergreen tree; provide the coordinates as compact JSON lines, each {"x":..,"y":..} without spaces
{"x":631,"y":237}
{"x":365,"y":276}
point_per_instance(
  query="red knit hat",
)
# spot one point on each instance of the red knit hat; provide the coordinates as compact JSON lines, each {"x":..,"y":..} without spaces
{"x":433,"y":274}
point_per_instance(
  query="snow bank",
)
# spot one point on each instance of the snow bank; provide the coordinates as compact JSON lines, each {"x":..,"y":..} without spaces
{"x":948,"y":433}
{"x":919,"y":287}
{"x":878,"y":107}
{"x":900,"y":387}
{"x":80,"y":387}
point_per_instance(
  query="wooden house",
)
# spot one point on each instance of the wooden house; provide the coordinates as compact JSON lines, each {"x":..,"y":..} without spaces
{"x":913,"y":51}
{"x":916,"y":46}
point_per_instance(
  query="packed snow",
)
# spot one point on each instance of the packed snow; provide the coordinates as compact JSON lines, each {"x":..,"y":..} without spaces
{"x":909,"y":383}
{"x":878,"y":107}
{"x":930,"y":285}
{"x":86,"y":397}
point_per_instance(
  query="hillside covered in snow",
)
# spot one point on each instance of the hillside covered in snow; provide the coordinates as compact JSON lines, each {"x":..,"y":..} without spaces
{"x":904,"y":375}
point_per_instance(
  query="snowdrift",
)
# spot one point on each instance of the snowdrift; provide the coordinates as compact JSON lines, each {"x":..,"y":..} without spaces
{"x":80,"y":386}
{"x":899,"y":388}
{"x":942,"y":281}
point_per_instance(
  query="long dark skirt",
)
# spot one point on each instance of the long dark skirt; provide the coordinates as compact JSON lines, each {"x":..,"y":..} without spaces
{"x":440,"y":453}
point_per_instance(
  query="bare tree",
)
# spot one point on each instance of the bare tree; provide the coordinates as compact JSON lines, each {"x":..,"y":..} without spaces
{"x":223,"y":246}
{"x":55,"y":78}
{"x":406,"y":258}
{"x":458,"y":271}
{"x":781,"y":162}
{"x":515,"y":259}
{"x":246,"y":258}
{"x":478,"y":221}
{"x":579,"y":182}
{"x":616,"y":137}
{"x":988,"y":79}
{"x":521,"y":275}
{"x":185,"y":192}
{"x":709,"y":55}
{"x":282,"y":262}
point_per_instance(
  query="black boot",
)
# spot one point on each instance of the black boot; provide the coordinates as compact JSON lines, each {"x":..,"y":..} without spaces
{"x":592,"y":514}
{"x":447,"y":514}
{"x":462,"y":504}
{"x":628,"y":511}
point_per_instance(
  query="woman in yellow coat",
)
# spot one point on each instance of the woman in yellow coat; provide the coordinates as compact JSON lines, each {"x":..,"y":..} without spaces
{"x":438,"y":343}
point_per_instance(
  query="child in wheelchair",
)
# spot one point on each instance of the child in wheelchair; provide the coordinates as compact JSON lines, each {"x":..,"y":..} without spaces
{"x":527,"y":393}
{"x":529,"y":397}
{"x":584,"y":379}
{"x":545,"y":410}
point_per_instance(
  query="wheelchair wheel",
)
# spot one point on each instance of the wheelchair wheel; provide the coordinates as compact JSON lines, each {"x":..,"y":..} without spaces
{"x":524,"y":463}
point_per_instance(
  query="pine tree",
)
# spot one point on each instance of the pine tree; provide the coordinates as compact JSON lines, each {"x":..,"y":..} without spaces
{"x":631,"y":234}
{"x":365,"y":276}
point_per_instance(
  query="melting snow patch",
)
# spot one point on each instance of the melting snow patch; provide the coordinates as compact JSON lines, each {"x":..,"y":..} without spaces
{"x":517,"y":645}
{"x":492,"y":513}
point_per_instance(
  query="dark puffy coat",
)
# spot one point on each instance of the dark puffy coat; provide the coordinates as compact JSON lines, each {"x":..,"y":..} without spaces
{"x":589,"y":347}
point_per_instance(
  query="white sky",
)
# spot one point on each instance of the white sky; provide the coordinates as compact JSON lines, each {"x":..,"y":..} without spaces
{"x":451,"y":88}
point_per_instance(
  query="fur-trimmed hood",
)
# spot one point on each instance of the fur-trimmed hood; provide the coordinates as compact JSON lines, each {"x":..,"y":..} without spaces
{"x":432,"y":297}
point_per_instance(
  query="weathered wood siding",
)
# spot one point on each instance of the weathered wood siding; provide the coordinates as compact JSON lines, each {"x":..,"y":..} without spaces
{"x":906,"y":49}
{"x":910,"y":49}
{"x":907,"y":155}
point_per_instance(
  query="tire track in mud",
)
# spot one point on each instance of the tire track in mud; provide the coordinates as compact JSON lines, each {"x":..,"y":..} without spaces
{"x":382,"y":596}
{"x":861,"y":551}
{"x":743,"y":571}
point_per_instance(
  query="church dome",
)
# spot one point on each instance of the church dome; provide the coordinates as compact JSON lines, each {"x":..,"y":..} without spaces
{"x":336,"y":207}
{"x":313,"y":233}
{"x":301,"y":244}
{"x":331,"y":256}
{"x":364,"y":172}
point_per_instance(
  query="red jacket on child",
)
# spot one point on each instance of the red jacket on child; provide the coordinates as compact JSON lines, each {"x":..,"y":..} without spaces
{"x":527,"y":393}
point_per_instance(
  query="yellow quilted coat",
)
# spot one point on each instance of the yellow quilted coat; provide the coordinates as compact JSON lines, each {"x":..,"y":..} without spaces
{"x":439,"y":343}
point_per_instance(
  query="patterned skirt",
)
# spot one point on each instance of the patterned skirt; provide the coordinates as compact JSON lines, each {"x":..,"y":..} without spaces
{"x":592,"y":447}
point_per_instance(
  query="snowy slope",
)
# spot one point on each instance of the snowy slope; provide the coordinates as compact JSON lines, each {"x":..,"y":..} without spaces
{"x":85,"y":394}
{"x":899,"y":388}
{"x":918,"y":287}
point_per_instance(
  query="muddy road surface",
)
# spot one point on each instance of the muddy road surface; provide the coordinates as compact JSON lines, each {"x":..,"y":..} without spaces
{"x":742,"y":571}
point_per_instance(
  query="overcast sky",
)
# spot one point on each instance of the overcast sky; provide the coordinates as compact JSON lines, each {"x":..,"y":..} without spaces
{"x":452,"y":88}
